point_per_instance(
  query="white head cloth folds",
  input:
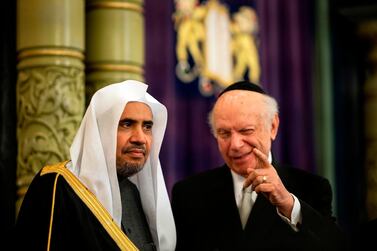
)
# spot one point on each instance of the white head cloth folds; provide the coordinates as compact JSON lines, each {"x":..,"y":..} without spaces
{"x":93,"y":155}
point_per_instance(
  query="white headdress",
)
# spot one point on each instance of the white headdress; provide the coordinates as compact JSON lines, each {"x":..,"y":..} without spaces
{"x":93,"y":158}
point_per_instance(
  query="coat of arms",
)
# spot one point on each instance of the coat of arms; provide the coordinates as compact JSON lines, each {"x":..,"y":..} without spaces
{"x":215,"y":47}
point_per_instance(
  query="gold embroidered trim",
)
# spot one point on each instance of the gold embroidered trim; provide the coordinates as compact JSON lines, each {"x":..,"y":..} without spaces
{"x":52,"y":212}
{"x":93,"y":204}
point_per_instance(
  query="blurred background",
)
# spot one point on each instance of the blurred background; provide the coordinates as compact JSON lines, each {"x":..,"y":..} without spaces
{"x":318,"y":58}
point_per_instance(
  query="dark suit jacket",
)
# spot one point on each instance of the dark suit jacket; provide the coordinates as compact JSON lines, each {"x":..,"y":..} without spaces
{"x":207,"y":217}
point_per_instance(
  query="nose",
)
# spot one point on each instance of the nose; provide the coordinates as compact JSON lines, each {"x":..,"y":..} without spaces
{"x":236,"y":142}
{"x":138,"y":136}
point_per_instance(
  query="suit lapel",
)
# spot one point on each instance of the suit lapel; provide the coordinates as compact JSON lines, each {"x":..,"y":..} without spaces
{"x":226,"y":220}
{"x":226,"y":211}
{"x":261,"y":218}
{"x":262,"y":213}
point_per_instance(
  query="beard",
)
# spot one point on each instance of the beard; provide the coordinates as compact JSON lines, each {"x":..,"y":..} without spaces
{"x":128,"y":169}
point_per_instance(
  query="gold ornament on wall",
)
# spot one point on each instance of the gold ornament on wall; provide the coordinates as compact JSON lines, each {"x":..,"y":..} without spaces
{"x":214,"y":46}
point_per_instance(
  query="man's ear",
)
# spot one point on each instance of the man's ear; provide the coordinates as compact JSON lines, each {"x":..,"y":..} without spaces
{"x":274,"y":126}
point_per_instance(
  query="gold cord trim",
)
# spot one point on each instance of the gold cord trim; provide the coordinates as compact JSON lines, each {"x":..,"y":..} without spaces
{"x":50,"y":52}
{"x":116,"y":5}
{"x":52,"y":213}
{"x":93,"y":204}
{"x":116,"y":67}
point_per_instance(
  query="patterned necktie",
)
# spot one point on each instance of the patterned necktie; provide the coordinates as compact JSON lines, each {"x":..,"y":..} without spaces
{"x":245,"y":206}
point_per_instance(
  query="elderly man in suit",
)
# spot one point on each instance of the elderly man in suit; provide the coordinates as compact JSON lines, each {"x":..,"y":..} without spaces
{"x":252,"y":202}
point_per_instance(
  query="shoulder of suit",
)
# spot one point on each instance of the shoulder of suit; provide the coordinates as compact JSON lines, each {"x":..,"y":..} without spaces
{"x":304,"y":176}
{"x":207,"y":176}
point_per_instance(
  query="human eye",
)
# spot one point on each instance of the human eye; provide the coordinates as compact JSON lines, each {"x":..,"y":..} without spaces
{"x":125,"y":123}
{"x":148,"y":126}
{"x":247,"y":131}
{"x":223,"y":133}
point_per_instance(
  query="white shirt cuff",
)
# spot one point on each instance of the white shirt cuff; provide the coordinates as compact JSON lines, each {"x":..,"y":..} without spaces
{"x":296,"y":216}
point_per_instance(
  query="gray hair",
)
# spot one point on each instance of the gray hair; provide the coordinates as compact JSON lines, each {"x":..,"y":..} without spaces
{"x":271,"y":108}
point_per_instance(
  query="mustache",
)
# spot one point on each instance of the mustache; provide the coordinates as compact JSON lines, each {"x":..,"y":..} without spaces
{"x":133,"y":148}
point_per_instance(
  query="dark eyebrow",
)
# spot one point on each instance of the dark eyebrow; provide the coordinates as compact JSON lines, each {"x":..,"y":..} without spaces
{"x":127,"y":120}
{"x":132,"y":121}
{"x":148,"y":122}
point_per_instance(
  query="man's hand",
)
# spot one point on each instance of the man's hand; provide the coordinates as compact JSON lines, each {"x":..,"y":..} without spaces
{"x":266,"y":180}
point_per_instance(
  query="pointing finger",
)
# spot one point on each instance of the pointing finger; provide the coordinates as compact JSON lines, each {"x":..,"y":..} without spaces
{"x":262,"y":158}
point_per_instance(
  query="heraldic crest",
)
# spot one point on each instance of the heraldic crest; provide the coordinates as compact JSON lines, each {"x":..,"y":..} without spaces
{"x":214,"y":46}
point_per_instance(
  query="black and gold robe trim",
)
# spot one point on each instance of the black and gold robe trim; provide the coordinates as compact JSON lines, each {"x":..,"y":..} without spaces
{"x":91,"y":202}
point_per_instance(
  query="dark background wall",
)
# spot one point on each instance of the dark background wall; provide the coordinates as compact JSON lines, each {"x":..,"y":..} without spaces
{"x":7,"y":116}
{"x":350,"y":66}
